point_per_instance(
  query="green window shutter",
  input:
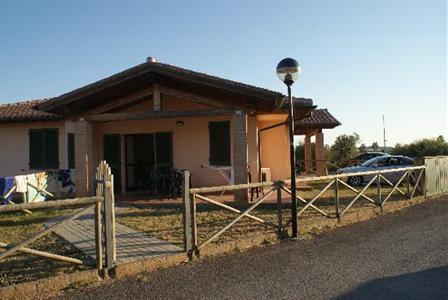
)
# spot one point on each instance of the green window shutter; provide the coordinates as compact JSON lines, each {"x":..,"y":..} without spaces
{"x":51,"y":148}
{"x":71,"y":150}
{"x":164,"y":149}
{"x":219,"y":139}
{"x":36,"y":159}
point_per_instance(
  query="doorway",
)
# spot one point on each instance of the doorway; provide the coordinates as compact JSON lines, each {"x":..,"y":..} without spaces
{"x":149,"y":161}
{"x":112,"y":155}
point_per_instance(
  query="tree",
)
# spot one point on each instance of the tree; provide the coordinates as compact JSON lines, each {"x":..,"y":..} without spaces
{"x":423,"y":147}
{"x":344,"y":147}
{"x":362,"y":148}
{"x":375,"y":146}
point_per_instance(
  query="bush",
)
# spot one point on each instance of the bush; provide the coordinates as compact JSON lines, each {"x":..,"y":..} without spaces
{"x":423,"y":147}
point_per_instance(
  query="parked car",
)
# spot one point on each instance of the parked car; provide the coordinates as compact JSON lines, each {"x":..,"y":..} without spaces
{"x":366,"y":156}
{"x":377,"y":164}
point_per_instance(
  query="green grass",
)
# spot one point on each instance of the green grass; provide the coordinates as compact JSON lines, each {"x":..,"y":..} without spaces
{"x":163,"y":222}
{"x":18,"y":226}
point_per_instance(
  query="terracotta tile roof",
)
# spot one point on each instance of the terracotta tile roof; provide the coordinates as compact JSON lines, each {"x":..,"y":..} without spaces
{"x":25,"y":111}
{"x":319,"y":118}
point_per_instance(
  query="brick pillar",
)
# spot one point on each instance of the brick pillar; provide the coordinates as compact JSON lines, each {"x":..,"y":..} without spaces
{"x":84,"y":162}
{"x":320,"y":157}
{"x":239,"y":153}
{"x":308,"y":155}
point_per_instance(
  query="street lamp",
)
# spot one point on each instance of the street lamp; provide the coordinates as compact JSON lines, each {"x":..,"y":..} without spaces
{"x":288,"y":70}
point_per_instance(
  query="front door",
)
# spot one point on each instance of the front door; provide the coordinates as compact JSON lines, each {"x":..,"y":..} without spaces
{"x":112,"y":155}
{"x":149,"y":161}
{"x":140,"y":160}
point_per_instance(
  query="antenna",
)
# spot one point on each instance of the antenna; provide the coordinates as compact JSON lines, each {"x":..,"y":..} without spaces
{"x":384,"y":133}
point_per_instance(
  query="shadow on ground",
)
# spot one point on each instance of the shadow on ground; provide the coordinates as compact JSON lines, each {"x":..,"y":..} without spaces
{"x":427,"y":284}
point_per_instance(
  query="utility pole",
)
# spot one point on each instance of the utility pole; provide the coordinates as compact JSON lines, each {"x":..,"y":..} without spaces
{"x":384,"y":134}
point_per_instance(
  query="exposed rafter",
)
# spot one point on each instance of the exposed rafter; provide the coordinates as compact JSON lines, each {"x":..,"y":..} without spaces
{"x":143,"y":115}
{"x":192,"y":97}
{"x":135,"y":97}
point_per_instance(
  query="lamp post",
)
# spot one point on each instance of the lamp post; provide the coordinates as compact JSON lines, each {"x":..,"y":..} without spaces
{"x":288,"y":70}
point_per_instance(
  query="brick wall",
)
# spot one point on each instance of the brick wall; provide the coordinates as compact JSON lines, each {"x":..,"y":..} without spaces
{"x":239,"y":153}
{"x":84,"y":160}
{"x":320,"y":157}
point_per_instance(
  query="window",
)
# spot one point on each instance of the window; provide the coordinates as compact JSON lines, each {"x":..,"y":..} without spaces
{"x":71,"y":150}
{"x":406,"y":161}
{"x":219,"y":143}
{"x":44,"y":148}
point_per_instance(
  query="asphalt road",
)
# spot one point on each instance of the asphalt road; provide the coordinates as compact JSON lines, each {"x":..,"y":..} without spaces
{"x":401,"y":255}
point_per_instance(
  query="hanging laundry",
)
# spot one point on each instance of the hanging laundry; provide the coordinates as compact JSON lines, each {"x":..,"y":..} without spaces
{"x":41,"y":180}
{"x":6,"y":184}
{"x":66,"y":180}
{"x":34,"y":195}
{"x":21,"y":184}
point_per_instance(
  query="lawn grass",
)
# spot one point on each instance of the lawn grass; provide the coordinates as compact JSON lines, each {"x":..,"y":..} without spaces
{"x":163,"y":222}
{"x":18,"y":226}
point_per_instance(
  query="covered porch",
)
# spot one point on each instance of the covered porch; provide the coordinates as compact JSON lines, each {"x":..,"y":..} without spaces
{"x":154,"y":119}
{"x":312,"y":127}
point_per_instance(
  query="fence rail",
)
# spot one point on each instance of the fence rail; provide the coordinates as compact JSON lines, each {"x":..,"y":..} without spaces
{"x":21,"y":246}
{"x":413,"y":176}
{"x":103,"y":218}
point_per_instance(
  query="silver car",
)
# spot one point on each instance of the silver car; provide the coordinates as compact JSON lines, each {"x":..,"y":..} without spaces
{"x":378,"y":164}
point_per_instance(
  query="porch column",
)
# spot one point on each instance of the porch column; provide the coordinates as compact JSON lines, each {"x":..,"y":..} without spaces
{"x":320,"y":157}
{"x":84,"y":162}
{"x":239,"y":153}
{"x":308,"y":154}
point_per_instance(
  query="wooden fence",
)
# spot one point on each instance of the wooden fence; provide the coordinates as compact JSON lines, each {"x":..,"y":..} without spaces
{"x":413,"y":177}
{"x":103,"y":218}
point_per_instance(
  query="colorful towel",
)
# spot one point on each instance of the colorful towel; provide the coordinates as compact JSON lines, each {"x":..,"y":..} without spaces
{"x":6,"y":183}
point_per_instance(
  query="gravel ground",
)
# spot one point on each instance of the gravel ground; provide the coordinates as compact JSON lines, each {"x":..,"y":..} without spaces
{"x":402,"y":255}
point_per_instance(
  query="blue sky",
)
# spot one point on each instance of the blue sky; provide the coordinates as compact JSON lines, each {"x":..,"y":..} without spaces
{"x":360,"y":59}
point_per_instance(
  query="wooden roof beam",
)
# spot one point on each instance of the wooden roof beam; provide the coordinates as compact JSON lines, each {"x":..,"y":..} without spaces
{"x":135,"y":97}
{"x":144,"y":115}
{"x":195,"y":98}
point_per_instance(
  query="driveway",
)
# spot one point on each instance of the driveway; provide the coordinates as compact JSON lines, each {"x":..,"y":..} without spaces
{"x":402,"y":255}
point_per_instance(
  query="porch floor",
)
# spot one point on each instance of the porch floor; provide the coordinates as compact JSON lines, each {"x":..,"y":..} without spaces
{"x":131,"y":244}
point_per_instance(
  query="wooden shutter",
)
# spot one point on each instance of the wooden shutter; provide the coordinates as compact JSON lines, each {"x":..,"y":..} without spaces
{"x":219,"y":139}
{"x":112,"y":155}
{"x":164,"y":149}
{"x":36,"y":154}
{"x":71,"y":150}
{"x":51,"y":148}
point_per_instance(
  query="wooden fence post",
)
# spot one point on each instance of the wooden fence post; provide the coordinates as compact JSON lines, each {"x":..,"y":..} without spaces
{"x":98,"y":223}
{"x":109,"y":221}
{"x":194,"y":229}
{"x":378,"y":187}
{"x":186,"y":214}
{"x":336,"y":199}
{"x":408,"y":186}
{"x":279,"y":210}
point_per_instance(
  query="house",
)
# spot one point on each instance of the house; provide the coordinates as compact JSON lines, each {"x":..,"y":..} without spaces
{"x":147,"y":120}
